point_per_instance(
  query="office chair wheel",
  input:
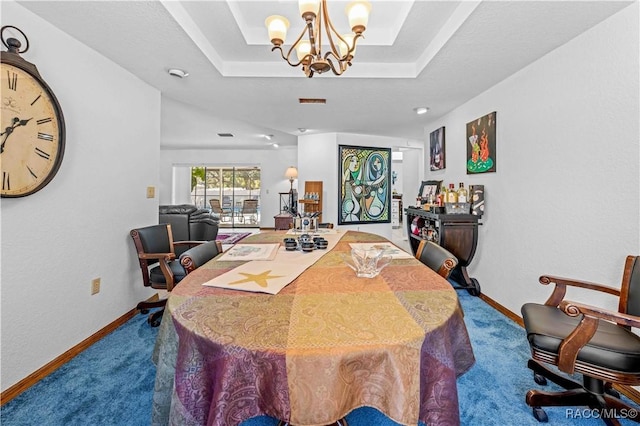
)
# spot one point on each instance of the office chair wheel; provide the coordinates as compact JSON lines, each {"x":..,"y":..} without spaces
{"x":475,"y":290}
{"x":539,"y":379}
{"x":611,"y":391}
{"x":540,"y":415}
{"x":155,"y":318}
{"x":154,"y":321}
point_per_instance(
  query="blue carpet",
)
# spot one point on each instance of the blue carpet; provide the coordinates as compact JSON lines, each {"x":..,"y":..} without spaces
{"x":111,"y":383}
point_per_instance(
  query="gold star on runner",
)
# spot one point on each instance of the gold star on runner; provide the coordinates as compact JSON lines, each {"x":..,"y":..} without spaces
{"x":260,"y":279}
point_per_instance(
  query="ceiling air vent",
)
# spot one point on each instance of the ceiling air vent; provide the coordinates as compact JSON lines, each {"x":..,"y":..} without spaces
{"x":312,"y":101}
{"x":225,"y":135}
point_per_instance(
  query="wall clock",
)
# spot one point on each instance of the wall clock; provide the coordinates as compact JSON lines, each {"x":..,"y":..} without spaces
{"x":33,"y":132}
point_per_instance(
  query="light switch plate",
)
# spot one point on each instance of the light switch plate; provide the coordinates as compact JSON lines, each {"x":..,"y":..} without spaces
{"x":151,"y":191}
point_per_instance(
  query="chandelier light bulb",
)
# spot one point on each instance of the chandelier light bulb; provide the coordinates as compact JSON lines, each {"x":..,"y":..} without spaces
{"x":277,"y":26}
{"x":309,"y":9}
{"x":358,"y":13}
{"x":303,"y":48}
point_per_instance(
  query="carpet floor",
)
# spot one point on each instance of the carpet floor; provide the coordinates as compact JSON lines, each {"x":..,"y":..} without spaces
{"x":111,"y":383}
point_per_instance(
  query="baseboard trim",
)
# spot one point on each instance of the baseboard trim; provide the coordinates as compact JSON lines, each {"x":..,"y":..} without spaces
{"x":628,"y":391}
{"x":33,"y":378}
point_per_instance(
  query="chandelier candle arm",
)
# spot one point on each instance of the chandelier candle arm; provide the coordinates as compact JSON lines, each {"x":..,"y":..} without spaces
{"x":309,"y":52}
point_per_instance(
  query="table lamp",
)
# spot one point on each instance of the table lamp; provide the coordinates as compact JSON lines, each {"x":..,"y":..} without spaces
{"x":291,"y":173}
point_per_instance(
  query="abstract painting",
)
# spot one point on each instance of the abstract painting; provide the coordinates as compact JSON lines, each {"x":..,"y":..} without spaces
{"x":481,"y":144}
{"x":436,"y":149}
{"x":365,"y":187}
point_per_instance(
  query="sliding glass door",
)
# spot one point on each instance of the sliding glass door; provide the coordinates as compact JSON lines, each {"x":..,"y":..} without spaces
{"x":235,"y":192}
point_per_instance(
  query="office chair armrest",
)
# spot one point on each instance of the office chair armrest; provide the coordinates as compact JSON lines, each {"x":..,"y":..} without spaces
{"x":578,"y":338}
{"x":574,"y":309}
{"x":157,"y":256}
{"x":561,"y":288}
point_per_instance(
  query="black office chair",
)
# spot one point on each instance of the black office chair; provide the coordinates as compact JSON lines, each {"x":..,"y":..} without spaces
{"x":594,"y":342}
{"x":156,"y":255}
{"x":436,"y":257}
{"x":199,"y":255}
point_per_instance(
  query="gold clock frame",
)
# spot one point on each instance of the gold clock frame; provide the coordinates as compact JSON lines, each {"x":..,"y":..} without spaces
{"x":12,"y":57}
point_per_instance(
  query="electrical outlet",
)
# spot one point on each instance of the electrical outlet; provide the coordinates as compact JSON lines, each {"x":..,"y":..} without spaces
{"x":95,"y":286}
{"x":151,"y":191}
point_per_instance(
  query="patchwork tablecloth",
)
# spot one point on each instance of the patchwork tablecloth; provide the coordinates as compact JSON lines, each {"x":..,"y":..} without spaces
{"x":326,"y":344}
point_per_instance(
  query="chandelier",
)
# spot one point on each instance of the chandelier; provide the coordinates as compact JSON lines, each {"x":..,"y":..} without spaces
{"x":309,"y":51}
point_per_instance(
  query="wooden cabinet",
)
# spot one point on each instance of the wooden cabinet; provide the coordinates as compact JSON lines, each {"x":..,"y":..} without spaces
{"x":310,"y":205}
{"x":458,"y":233}
{"x":283,"y":221}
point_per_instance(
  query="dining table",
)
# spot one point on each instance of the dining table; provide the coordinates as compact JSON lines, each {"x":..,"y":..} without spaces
{"x":325,"y":344}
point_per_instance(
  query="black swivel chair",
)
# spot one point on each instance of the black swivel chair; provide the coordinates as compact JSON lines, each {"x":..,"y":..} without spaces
{"x":594,"y":342}
{"x":436,"y":257}
{"x":160,"y":268}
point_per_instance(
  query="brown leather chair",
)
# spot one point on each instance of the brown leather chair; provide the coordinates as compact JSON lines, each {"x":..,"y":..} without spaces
{"x":436,"y":257}
{"x":579,"y":338}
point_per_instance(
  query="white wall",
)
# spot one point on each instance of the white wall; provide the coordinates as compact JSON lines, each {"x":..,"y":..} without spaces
{"x":565,"y":199}
{"x":318,"y":160}
{"x":57,"y":240}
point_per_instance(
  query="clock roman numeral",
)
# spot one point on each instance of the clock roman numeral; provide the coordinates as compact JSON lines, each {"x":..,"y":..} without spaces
{"x":45,"y":136}
{"x":6,"y":185}
{"x":43,"y":154}
{"x":31,"y":173}
{"x":12,"y":78}
{"x":36,"y":99}
{"x":44,"y":120}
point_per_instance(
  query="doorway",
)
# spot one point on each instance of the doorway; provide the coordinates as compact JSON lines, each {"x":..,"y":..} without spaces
{"x":235,"y":191}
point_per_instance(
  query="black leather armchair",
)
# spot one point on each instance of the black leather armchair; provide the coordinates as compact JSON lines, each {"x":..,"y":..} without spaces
{"x":594,"y":342}
{"x":189,"y":223}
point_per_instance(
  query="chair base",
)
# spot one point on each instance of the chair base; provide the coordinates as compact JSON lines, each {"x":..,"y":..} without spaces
{"x":155,"y":317}
{"x":592,"y":393}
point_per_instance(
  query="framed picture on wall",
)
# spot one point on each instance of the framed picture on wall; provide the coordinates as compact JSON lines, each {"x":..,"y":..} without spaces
{"x":364,"y":193}
{"x":481,"y":144}
{"x":437,"y":149}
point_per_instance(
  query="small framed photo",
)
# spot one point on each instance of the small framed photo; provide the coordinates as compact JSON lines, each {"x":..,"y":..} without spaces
{"x":429,"y":188}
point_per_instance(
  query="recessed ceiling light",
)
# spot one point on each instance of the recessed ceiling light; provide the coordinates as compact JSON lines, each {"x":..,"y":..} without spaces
{"x":275,"y":145}
{"x":268,"y":137}
{"x":302,"y":129}
{"x":178,"y":73}
{"x":421,"y":110}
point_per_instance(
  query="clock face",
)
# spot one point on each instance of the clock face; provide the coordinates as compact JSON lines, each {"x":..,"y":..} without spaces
{"x":32,"y":133}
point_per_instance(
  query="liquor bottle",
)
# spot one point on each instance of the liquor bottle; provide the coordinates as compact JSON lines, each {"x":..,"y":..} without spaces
{"x":463,"y":195}
{"x":452,"y":195}
{"x":443,"y":195}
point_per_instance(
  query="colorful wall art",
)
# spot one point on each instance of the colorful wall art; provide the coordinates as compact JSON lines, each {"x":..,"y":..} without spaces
{"x":436,"y":149}
{"x":365,"y":188}
{"x":481,"y":144}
